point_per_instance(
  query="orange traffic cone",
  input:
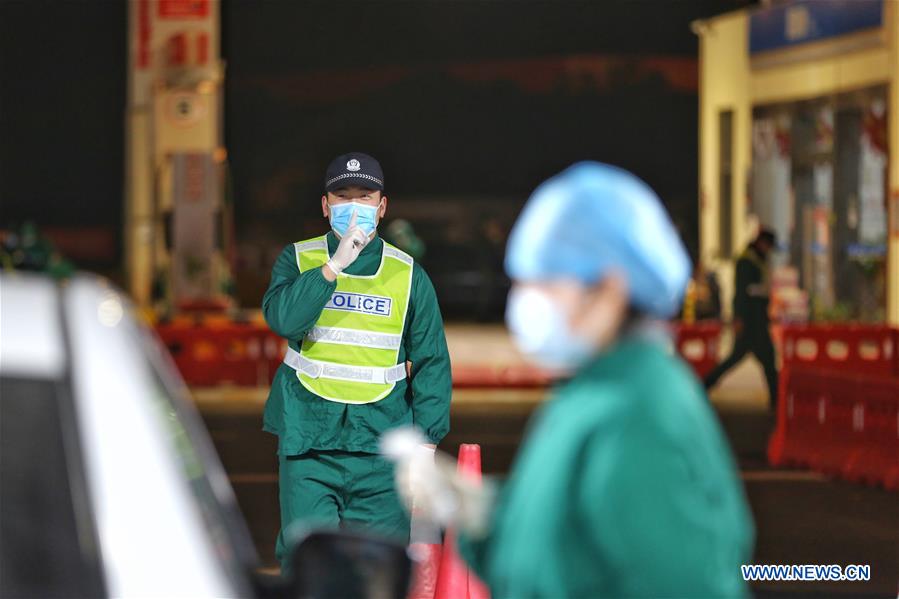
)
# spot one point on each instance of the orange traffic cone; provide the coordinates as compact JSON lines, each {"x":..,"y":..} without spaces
{"x":427,"y":565}
{"x":476,"y":588}
{"x":454,"y":580}
{"x":425,"y":549}
{"x":470,"y":464}
{"x":470,"y":460}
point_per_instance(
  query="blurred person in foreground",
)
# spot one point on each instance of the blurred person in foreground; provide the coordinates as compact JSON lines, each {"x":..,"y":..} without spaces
{"x":625,"y":484}
{"x":751,"y":324}
{"x":354,"y":310}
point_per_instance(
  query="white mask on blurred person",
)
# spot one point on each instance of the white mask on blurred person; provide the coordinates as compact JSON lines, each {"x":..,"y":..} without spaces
{"x":541,"y":331}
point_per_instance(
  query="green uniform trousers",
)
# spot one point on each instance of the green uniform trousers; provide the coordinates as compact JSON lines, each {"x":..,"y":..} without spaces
{"x":331,"y":489}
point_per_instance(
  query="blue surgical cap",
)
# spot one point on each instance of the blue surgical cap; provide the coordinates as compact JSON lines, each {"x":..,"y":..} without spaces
{"x":593,"y":218}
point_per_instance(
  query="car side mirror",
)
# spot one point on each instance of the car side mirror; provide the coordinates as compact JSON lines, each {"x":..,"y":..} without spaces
{"x":328,"y":564}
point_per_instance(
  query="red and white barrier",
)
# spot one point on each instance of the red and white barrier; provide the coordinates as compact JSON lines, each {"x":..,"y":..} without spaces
{"x":839,"y":403}
{"x":861,"y":349}
{"x":232,"y":353}
{"x":698,"y":344}
{"x":248,"y":354}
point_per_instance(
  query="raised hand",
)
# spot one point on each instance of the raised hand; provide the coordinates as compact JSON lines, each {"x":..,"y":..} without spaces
{"x":351,"y":244}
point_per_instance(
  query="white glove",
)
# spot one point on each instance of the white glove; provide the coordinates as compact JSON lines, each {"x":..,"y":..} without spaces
{"x":351,"y":244}
{"x":429,"y":483}
{"x":421,"y":466}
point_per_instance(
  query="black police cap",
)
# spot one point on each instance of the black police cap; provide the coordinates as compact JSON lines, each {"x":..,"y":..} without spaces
{"x":354,"y":169}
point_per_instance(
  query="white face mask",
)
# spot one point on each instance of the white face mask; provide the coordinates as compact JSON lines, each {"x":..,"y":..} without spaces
{"x":540,"y":330}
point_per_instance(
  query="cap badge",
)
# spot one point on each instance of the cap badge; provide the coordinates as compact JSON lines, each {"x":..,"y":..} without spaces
{"x":353,"y":165}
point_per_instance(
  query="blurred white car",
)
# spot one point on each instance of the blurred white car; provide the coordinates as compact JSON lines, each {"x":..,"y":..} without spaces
{"x":109,"y":483}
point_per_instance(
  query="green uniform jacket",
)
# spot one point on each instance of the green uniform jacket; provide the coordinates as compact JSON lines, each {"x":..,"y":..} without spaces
{"x":625,"y":486}
{"x":304,"y":421}
{"x":751,"y":270}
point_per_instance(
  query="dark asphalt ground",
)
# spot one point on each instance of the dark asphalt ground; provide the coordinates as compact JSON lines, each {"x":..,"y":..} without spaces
{"x":801,"y":517}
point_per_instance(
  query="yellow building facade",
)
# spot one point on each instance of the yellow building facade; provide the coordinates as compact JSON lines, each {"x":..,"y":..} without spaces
{"x":799,"y":132}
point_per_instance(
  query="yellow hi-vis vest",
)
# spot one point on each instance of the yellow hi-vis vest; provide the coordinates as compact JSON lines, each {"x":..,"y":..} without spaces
{"x":350,"y":355}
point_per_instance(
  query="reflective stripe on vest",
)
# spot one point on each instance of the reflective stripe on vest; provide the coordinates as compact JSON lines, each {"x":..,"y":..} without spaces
{"x":340,"y":372}
{"x":353,"y":337}
{"x":351,"y":353}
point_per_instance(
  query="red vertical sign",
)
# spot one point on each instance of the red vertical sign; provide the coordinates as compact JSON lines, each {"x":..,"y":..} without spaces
{"x":176,"y":50}
{"x":143,"y":34}
{"x":183,"y":9}
{"x":202,"y":48}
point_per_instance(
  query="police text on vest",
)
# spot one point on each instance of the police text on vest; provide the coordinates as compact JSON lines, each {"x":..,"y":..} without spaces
{"x":376,"y":305}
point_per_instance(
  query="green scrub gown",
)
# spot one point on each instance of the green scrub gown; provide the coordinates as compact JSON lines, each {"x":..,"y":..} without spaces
{"x":625,"y":486}
{"x":330,"y":472}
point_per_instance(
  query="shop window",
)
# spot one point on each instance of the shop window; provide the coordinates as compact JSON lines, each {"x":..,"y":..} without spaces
{"x":819,"y":180}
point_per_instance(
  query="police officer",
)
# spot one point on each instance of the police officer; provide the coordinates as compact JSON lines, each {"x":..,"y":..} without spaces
{"x":751,"y":295}
{"x":624,"y":485}
{"x":354,"y":310}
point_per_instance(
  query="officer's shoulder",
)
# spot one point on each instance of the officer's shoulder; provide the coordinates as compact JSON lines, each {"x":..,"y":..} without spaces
{"x":309,"y":243}
{"x":288,"y":252}
{"x":395,"y":252}
{"x":419,"y":274}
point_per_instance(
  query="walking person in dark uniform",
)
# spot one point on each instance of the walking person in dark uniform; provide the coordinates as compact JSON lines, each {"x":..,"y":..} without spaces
{"x":751,"y":290}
